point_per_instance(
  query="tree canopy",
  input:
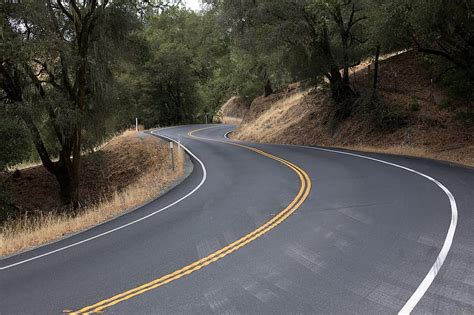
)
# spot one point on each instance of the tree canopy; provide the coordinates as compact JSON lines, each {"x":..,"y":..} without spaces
{"x":74,"y":71}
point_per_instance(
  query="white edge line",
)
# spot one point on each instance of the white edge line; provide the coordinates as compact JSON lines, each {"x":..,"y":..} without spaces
{"x":433,"y":272}
{"x":412,"y":301}
{"x":204,"y":176}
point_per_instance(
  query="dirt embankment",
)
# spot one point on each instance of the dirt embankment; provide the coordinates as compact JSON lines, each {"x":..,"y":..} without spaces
{"x":233,"y":111}
{"x":121,"y":162}
{"x":413,"y":117}
{"x":130,"y":170}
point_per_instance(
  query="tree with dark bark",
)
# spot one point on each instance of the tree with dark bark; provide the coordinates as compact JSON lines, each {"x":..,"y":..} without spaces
{"x":57,"y":39}
{"x":321,"y":38}
{"x":376,"y":69}
{"x":268,"y":88}
{"x":439,"y":28}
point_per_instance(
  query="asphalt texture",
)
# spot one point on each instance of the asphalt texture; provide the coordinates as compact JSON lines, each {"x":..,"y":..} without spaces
{"x":360,"y":243}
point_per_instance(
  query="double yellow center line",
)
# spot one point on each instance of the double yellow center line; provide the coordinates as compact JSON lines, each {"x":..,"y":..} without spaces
{"x":305,"y":188}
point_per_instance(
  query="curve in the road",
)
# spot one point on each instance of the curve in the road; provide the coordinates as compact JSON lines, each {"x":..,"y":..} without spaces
{"x":434,"y":270}
{"x":420,"y":288}
{"x":305,"y":188}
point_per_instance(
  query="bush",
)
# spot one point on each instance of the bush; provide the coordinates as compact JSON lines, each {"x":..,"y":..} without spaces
{"x":383,"y":115}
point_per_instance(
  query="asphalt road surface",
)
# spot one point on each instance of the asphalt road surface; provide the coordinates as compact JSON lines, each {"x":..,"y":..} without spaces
{"x":268,"y":229}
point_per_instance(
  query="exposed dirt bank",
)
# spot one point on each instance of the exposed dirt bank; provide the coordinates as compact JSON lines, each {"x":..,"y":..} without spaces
{"x":232,"y":112}
{"x":414,"y":116}
{"x":130,"y":170}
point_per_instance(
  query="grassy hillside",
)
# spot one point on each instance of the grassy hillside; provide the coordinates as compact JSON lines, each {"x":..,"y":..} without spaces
{"x":232,"y":112}
{"x":131,"y":169}
{"x":412,"y":115}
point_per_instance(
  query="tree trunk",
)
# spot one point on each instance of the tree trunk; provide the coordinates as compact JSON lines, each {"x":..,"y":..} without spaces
{"x":345,"y":60}
{"x":268,"y":88}
{"x":66,"y":189}
{"x":342,"y":94}
{"x":345,"y":77}
{"x":66,"y":170}
{"x":376,"y":70}
{"x":59,"y":169}
{"x":75,"y":169}
{"x":340,"y":90}
{"x":179,"y":104}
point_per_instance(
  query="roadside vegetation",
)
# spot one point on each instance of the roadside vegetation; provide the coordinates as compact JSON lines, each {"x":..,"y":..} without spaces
{"x":410,"y":117}
{"x":323,"y":82}
{"x":73,"y":73}
{"x":129,"y":170}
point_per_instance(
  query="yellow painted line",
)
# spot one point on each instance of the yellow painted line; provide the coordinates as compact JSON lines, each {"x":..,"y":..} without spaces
{"x":269,"y":225}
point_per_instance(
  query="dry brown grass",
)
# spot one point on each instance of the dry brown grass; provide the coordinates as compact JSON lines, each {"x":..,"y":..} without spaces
{"x":25,"y":231}
{"x":260,"y":125}
{"x":464,"y":155}
{"x":231,"y":120}
{"x":232,"y":111}
{"x":306,"y":118}
{"x":24,"y":165}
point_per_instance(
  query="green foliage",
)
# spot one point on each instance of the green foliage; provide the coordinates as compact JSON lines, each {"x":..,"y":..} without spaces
{"x":33,"y":45}
{"x":301,"y":30}
{"x":174,"y":80}
{"x":14,"y":141}
{"x":167,"y":65}
{"x":15,"y":148}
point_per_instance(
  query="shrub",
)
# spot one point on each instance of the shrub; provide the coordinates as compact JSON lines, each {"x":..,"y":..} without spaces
{"x":383,"y":115}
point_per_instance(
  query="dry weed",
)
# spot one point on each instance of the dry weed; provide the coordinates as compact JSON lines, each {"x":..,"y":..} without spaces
{"x":428,"y":131}
{"x":464,"y":155}
{"x":27,"y":232}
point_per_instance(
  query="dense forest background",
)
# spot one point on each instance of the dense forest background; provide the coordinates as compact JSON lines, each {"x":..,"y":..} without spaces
{"x":74,"y":72}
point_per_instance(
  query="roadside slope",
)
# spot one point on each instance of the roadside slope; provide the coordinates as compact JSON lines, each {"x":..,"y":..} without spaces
{"x":232,"y":112}
{"x":360,"y":243}
{"x":129,"y":170}
{"x":415,"y":117}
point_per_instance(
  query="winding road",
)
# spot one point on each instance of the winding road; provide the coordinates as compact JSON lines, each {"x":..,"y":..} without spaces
{"x":268,"y":229}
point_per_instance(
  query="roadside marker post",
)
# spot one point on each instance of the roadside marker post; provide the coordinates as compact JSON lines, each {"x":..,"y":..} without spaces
{"x":136,"y":124}
{"x":172,"y":155}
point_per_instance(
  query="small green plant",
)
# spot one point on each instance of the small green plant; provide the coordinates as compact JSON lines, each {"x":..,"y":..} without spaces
{"x":414,"y":104}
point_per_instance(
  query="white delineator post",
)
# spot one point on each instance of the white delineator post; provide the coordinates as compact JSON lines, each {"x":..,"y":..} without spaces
{"x":136,"y":124}
{"x":172,"y":155}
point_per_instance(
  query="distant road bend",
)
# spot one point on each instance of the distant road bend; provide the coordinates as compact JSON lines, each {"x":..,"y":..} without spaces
{"x":268,"y":229}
